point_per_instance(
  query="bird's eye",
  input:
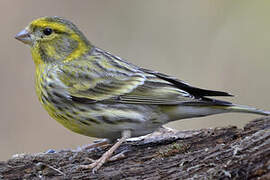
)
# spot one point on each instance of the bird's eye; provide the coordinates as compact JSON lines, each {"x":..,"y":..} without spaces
{"x":47,"y":31}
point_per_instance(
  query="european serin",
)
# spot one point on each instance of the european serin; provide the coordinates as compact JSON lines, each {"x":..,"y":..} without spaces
{"x":97,"y":94}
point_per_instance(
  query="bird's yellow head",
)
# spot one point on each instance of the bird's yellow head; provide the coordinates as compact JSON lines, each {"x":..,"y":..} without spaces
{"x":54,"y":39}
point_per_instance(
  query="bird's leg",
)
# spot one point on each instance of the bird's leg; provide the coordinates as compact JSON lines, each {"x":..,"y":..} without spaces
{"x":107,"y":155}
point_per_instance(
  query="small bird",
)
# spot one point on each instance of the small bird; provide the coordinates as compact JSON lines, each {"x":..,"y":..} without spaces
{"x":97,"y":94}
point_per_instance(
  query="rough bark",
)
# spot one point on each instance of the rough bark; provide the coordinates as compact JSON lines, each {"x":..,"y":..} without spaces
{"x":220,"y":153}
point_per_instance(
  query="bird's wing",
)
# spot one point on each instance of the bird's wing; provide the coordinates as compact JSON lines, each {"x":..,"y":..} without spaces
{"x":106,"y":78}
{"x":162,"y":89}
{"x":197,"y":92}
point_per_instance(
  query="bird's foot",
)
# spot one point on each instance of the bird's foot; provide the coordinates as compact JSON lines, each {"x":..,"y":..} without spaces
{"x":97,"y":164}
{"x":96,"y":144}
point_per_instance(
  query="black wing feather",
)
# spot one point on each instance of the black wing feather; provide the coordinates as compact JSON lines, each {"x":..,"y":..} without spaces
{"x":197,"y":92}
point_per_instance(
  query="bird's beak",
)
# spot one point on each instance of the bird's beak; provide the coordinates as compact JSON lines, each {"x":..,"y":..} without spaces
{"x":24,"y":36}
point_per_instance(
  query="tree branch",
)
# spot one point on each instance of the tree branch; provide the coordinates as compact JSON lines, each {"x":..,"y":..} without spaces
{"x":220,"y":153}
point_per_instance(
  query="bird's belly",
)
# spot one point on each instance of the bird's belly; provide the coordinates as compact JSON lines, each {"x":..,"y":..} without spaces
{"x":106,"y":120}
{"x":113,"y":132}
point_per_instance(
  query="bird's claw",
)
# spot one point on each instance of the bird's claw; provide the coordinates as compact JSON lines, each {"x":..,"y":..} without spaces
{"x":94,"y":166}
{"x":97,"y":164}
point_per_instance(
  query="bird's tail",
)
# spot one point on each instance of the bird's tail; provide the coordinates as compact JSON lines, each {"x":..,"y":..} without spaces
{"x":246,"y":109}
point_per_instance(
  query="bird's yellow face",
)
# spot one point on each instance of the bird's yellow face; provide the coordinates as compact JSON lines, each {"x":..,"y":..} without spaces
{"x":53,"y":39}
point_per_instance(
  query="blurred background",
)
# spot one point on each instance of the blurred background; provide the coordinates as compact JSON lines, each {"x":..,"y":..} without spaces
{"x":220,"y":45}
